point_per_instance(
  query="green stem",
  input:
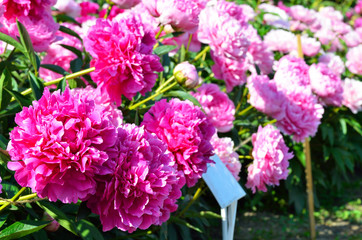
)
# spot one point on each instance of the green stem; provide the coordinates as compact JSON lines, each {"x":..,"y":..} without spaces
{"x":22,"y":198}
{"x":270,"y":122}
{"x":152,"y":97}
{"x":70,"y":76}
{"x":200,"y":54}
{"x":245,"y":157}
{"x":245,"y":110}
{"x":189,"y":43}
{"x":165,"y":84}
{"x":159,"y":32}
{"x":109,"y":9}
{"x":13,"y":198}
{"x":197,"y":194}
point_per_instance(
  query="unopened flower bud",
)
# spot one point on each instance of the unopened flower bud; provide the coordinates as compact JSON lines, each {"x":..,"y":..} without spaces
{"x":186,"y":75}
{"x":53,"y":226}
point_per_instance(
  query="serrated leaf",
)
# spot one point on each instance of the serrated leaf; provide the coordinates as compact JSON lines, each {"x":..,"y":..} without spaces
{"x":184,"y":95}
{"x":88,"y":231}
{"x":23,"y":101}
{"x":5,"y":80}
{"x":36,"y":85}
{"x":164,"y":49}
{"x":73,"y":50}
{"x":22,"y":228}
{"x":69,"y":32}
{"x":54,"y":68}
{"x":58,"y":215}
{"x":62,"y":84}
{"x":11,"y":41}
{"x":27,"y":44}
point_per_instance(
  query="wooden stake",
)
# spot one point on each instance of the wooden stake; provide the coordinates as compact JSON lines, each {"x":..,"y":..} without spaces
{"x":308,"y":168}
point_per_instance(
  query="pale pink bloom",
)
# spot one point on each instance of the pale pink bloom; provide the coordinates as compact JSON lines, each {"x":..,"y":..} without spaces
{"x":328,"y":37}
{"x":283,"y":7}
{"x":330,"y":13}
{"x":186,"y":131}
{"x":334,"y":62}
{"x":275,"y":16}
{"x":280,"y":40}
{"x":130,"y":67}
{"x":271,"y":159}
{"x":310,"y":46}
{"x":224,"y":149}
{"x":326,"y":84}
{"x":352,"y":39}
{"x":60,"y":144}
{"x":302,"y":17}
{"x":354,"y":63}
{"x":58,"y":55}
{"x":352,"y":95}
{"x":182,"y":15}
{"x":341,"y":28}
{"x":265,"y":97}
{"x":125,"y":4}
{"x":219,"y":109}
{"x":142,"y":185}
{"x":186,"y":74}
{"x":69,"y":7}
{"x":248,"y":12}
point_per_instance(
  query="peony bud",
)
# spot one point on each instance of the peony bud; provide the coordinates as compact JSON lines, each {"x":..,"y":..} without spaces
{"x":53,"y":226}
{"x":186,"y":75}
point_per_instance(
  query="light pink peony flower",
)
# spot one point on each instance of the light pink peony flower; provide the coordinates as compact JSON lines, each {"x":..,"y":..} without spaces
{"x":125,"y":4}
{"x":69,"y":7}
{"x":326,"y":84}
{"x":142,"y":186}
{"x":248,"y":12}
{"x":352,"y":95}
{"x":182,"y":15}
{"x":334,"y":62}
{"x":60,"y":144}
{"x":186,"y":74}
{"x":275,"y":16}
{"x":302,"y":17}
{"x":271,"y":159}
{"x":265,"y":97}
{"x":354,"y":63}
{"x":224,"y":148}
{"x":280,"y":40}
{"x":219,"y":109}
{"x":128,"y":68}
{"x":187,"y":133}
{"x":310,"y":46}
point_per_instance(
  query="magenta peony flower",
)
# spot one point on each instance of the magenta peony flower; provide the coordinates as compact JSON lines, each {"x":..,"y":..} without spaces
{"x":88,"y":9}
{"x":219,"y":109}
{"x":352,"y":95}
{"x":186,"y":74}
{"x":326,"y":84}
{"x":187,"y":133}
{"x":334,"y":62}
{"x":125,"y":4}
{"x":142,"y":186}
{"x":354,"y":56}
{"x":271,"y":159}
{"x":265,"y":97}
{"x":60,"y":144}
{"x":128,"y":65}
{"x":224,"y":148}
{"x":69,"y":7}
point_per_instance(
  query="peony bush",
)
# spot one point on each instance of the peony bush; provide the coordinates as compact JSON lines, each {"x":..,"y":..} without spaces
{"x":110,"y":111}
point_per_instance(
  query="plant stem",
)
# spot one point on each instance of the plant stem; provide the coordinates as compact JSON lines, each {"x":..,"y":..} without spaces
{"x":22,"y":198}
{"x":70,"y":76}
{"x":197,"y":194}
{"x":245,"y":157}
{"x":245,"y":110}
{"x":165,"y":83}
{"x":189,"y":43}
{"x":200,"y":54}
{"x":13,"y":198}
{"x":270,"y":122}
{"x":152,"y":97}
{"x":159,"y":31}
{"x":242,"y":144}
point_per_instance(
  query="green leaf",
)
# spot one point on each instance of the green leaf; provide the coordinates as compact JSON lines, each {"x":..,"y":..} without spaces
{"x":171,"y":35}
{"x":3,"y":142}
{"x":184,"y":95}
{"x":88,"y":231}
{"x":22,"y":228}
{"x":182,"y":53}
{"x":72,"y":83}
{"x":54,"y":68}
{"x":83,"y":211}
{"x":23,"y":101}
{"x":11,"y":41}
{"x":69,"y":32}
{"x":58,"y":215}
{"x":36,"y":85}
{"x":73,"y":50}
{"x":5,"y":97}
{"x":185,"y":223}
{"x":26,"y":42}
{"x":65,"y":18}
{"x":343,"y":126}
{"x":161,"y":50}
{"x":3,"y":219}
{"x":76,"y":65}
{"x":62,"y":84}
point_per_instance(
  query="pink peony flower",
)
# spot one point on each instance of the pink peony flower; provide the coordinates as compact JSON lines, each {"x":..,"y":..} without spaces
{"x":186,"y":74}
{"x":142,"y":186}
{"x":129,"y":68}
{"x":69,"y":7}
{"x":358,"y":23}
{"x":224,"y":148}
{"x":334,"y":62}
{"x":187,"y":133}
{"x":182,"y":15}
{"x":358,"y":7}
{"x":125,"y":4}
{"x":271,"y":159}
{"x":88,"y":10}
{"x":275,"y":16}
{"x":60,"y":144}
{"x":248,"y":12}
{"x":352,"y":95}
{"x":310,"y":46}
{"x":265,"y":97}
{"x":219,"y":109}
{"x":115,"y":11}
{"x":183,"y":39}
{"x":354,"y":56}
{"x":302,"y":17}
{"x":53,"y":226}
{"x":280,"y":40}
{"x":326,"y":84}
